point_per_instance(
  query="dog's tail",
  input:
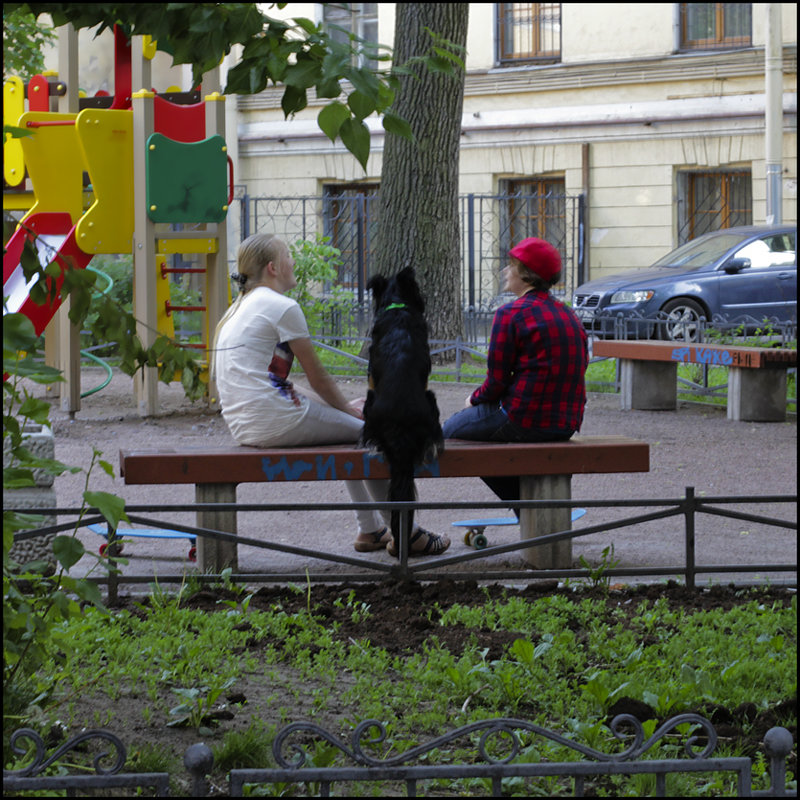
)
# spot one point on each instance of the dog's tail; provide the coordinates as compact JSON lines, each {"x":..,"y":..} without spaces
{"x":401,"y":489}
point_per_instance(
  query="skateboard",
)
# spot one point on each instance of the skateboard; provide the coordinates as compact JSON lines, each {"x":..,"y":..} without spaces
{"x":145,"y":533}
{"x":475,"y":537}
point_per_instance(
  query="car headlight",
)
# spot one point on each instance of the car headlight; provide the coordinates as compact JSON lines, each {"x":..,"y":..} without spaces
{"x":638,"y":296}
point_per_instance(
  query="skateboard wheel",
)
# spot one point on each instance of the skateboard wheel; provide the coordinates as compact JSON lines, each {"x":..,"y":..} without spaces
{"x":475,"y":538}
{"x":192,"y":554}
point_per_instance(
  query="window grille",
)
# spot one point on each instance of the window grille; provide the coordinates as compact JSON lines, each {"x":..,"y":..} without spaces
{"x":528,"y":32}
{"x":716,"y":26}
{"x":349,"y":220}
{"x":533,"y":208}
{"x":711,"y":201}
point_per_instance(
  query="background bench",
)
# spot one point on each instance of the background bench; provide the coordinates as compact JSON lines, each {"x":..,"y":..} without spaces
{"x":649,"y":375}
{"x":545,"y":470}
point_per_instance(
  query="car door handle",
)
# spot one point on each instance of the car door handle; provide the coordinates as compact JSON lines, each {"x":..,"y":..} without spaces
{"x":784,"y":276}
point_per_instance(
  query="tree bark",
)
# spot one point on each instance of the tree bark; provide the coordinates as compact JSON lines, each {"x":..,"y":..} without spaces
{"x":418,"y":216}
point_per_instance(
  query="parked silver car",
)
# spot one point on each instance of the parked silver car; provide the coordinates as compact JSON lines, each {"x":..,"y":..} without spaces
{"x":744,"y":276}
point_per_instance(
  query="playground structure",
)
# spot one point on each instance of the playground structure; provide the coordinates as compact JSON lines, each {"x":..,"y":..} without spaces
{"x":117,"y":174}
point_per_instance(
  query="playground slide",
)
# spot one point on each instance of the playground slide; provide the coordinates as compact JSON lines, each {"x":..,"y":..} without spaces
{"x":53,"y":236}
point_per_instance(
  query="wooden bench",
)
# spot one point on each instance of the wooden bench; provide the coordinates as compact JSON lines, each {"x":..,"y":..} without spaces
{"x":545,"y":470}
{"x":649,"y":375}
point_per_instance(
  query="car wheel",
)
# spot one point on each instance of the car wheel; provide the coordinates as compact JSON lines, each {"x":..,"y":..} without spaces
{"x":682,"y":320}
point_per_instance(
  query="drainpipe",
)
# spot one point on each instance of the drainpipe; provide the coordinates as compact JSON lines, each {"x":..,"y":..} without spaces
{"x":773,"y":85}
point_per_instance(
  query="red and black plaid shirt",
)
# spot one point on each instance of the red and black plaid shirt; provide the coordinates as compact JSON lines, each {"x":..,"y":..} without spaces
{"x":538,"y":355}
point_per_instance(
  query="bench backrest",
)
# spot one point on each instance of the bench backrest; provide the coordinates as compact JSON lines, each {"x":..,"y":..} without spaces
{"x":582,"y":454}
{"x":683,"y":353}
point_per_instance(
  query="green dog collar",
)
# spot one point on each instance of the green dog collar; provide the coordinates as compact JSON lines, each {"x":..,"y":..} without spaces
{"x":395,"y":305}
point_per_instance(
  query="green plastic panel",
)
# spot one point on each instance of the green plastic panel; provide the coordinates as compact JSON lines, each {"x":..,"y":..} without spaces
{"x":186,"y":182}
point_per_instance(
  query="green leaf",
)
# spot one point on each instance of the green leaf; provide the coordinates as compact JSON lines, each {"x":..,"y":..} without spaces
{"x":397,"y":125}
{"x":331,"y":117}
{"x":68,"y":550}
{"x":18,"y":332}
{"x":361,"y":105}
{"x":293,"y":100}
{"x":109,"y":505}
{"x":355,"y":137}
{"x":523,"y":650}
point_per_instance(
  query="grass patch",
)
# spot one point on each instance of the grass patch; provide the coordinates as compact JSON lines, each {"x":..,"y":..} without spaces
{"x":241,"y":666}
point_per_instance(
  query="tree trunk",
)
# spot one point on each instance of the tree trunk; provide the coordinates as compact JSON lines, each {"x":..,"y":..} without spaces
{"x":418,"y":217}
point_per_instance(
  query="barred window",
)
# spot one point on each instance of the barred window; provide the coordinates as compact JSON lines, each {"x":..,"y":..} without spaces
{"x":349,"y":219}
{"x":532,"y":207}
{"x":711,"y":201}
{"x":716,"y":26}
{"x":344,"y":20}
{"x":528,"y":32}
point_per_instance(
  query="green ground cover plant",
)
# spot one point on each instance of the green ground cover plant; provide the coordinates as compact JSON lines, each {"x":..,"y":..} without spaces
{"x":231,"y":667}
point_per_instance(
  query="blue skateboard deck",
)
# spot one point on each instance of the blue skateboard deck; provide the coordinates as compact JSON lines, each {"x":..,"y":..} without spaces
{"x":475,"y":537}
{"x":144,"y":533}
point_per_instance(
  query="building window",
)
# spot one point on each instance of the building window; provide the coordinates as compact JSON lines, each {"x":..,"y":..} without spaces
{"x":532,"y":207}
{"x":528,"y":32}
{"x":716,"y":26}
{"x":347,"y":20}
{"x":349,"y":219}
{"x":711,"y":201}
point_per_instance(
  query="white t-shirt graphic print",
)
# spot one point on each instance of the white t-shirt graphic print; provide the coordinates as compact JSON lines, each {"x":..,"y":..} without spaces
{"x":253,"y":361}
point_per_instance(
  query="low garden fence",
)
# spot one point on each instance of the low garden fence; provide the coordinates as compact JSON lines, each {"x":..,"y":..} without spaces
{"x":686,"y":508}
{"x":495,"y":746}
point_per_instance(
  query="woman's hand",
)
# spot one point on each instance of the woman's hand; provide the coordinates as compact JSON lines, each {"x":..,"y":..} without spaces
{"x":468,"y":401}
{"x":357,"y":408}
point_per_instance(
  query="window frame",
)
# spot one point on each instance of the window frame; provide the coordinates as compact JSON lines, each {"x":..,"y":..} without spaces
{"x":733,"y":211}
{"x":505,"y":56}
{"x":719,"y":41}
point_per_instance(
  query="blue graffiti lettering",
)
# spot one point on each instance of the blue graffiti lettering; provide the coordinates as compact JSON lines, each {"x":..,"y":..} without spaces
{"x":327,"y":467}
{"x":681,"y":354}
{"x":291,"y":472}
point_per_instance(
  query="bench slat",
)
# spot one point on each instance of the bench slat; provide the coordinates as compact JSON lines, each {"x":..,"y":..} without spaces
{"x":581,"y":454}
{"x":682,"y":353}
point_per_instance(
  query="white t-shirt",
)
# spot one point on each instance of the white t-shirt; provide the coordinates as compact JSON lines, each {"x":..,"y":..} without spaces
{"x":252,"y":367}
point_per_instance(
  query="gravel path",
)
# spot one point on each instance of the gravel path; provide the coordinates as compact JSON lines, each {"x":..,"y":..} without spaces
{"x":695,"y":446}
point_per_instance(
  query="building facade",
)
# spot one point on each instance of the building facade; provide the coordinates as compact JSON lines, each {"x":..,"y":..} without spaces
{"x":655,"y":115}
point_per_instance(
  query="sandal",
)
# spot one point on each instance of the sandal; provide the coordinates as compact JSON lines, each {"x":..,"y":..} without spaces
{"x":376,"y":540}
{"x":434,"y":546}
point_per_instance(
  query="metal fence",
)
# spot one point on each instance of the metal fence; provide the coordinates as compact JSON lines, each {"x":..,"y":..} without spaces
{"x":685,"y":509}
{"x":495,"y":749}
{"x":489,"y":226}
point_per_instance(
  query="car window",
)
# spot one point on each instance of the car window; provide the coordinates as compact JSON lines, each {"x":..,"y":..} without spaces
{"x":775,"y":250}
{"x":701,"y":251}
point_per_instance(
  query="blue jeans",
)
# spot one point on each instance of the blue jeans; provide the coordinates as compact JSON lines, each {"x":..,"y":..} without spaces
{"x":488,"y":422}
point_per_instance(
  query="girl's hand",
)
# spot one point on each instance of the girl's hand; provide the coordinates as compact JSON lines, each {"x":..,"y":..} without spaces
{"x":467,"y":403}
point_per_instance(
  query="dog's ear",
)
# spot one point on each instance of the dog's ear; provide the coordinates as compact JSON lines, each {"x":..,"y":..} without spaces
{"x":377,"y":285}
{"x":409,"y":289}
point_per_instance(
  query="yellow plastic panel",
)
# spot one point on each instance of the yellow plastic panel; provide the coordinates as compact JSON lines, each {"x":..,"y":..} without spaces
{"x":106,"y":138}
{"x":55,"y":164}
{"x":172,"y":246}
{"x":13,"y":109}
{"x":165,"y":324}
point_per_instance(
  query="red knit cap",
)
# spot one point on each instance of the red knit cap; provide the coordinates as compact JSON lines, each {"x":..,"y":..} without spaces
{"x":538,"y":256}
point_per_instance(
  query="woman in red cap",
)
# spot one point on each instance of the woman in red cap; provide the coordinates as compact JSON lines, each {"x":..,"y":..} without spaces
{"x":534,"y":389}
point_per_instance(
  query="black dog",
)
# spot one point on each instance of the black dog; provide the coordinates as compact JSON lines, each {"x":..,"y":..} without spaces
{"x":401,"y":417}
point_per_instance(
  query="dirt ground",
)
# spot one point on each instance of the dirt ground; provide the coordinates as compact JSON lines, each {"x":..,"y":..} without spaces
{"x":693,"y":447}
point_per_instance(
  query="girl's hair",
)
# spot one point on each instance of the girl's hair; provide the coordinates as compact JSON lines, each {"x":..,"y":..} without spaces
{"x":254,"y":253}
{"x":532,"y":279}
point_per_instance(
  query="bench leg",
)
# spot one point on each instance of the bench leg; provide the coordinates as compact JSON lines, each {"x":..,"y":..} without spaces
{"x":757,"y":395}
{"x":535,"y":522}
{"x":648,"y":385}
{"x":212,"y":555}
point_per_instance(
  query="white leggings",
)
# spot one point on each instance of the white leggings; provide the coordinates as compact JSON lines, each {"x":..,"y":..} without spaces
{"x":324,"y":424}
